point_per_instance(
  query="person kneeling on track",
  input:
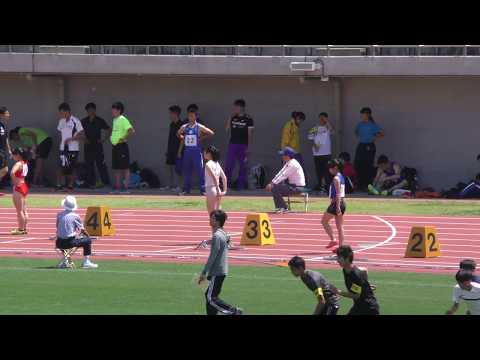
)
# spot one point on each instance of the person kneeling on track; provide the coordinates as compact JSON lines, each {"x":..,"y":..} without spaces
{"x":292,"y":173}
{"x":328,"y":300}
{"x":69,"y":227}
{"x":358,"y":287}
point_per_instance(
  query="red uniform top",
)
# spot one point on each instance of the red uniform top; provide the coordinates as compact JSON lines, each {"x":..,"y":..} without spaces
{"x":21,"y":173}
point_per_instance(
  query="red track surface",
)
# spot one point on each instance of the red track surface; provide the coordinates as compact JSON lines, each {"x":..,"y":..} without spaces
{"x":379,"y":241}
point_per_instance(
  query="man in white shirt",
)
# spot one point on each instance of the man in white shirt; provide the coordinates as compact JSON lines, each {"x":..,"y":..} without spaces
{"x":292,"y":173}
{"x":322,"y":150}
{"x":71,"y":131}
{"x":466,"y":290}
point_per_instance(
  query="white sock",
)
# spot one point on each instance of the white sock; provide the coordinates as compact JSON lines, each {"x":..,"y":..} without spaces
{"x":87,"y":258}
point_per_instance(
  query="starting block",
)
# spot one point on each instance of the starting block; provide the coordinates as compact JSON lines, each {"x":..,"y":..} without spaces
{"x":98,"y":221}
{"x":257,"y":230}
{"x":423,"y":242}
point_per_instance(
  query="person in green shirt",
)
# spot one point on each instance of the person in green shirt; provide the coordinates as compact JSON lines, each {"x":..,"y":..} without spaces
{"x":121,"y":130}
{"x":39,"y":143}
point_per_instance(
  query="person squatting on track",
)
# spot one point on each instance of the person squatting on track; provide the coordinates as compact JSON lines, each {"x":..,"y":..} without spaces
{"x":20,"y":189}
{"x":216,"y":268}
{"x":69,"y":227}
{"x":337,"y":205}
{"x":292,"y":173}
{"x":468,"y":290}
{"x":191,"y":134}
{"x":358,"y":287}
{"x":328,"y":300}
{"x":213,"y":173}
{"x":5,"y":151}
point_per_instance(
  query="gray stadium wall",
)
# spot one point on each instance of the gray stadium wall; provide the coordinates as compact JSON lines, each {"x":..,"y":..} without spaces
{"x":430,"y":123}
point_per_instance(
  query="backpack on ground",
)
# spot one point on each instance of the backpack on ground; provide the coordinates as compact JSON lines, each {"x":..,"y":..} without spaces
{"x":411,"y":175}
{"x":147,"y":175}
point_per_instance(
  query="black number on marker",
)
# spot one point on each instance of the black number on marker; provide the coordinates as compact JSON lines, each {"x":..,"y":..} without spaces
{"x":253,"y":227}
{"x":93,"y":221}
{"x":268,"y":233}
{"x":415,"y":247}
{"x":106,"y":221}
{"x":432,"y":237}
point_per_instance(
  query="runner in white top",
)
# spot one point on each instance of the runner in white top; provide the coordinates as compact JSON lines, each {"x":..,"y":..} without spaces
{"x":213,"y":173}
{"x":466,"y":290}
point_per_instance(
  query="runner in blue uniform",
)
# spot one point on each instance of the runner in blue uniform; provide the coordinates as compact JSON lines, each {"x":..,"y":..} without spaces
{"x":337,"y":205}
{"x":190,"y":134}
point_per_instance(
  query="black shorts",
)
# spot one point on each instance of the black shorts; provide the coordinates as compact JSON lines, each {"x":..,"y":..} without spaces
{"x":68,"y":161}
{"x":120,"y":157}
{"x":332,"y":209}
{"x":329,"y":309}
{"x":364,"y":310}
{"x":3,"y":159}
{"x":43,"y":149}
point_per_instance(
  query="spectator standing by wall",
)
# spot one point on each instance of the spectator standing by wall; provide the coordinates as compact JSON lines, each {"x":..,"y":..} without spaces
{"x":322,"y":150}
{"x":5,"y":151}
{"x":93,"y":148}
{"x":367,"y":132}
{"x":173,"y":148}
{"x":40,"y":145}
{"x":71,"y":131}
{"x":291,"y":135}
{"x":121,"y":130}
{"x":240,"y":126}
{"x":191,"y":134}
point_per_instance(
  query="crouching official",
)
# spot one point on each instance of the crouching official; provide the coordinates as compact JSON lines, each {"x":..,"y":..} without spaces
{"x":71,"y":233}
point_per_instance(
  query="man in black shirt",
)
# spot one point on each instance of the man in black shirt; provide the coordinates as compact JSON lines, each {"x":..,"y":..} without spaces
{"x":328,"y":300}
{"x":240,"y":126}
{"x":5,"y":152}
{"x":358,"y":287}
{"x":174,"y":152}
{"x":93,"y":126}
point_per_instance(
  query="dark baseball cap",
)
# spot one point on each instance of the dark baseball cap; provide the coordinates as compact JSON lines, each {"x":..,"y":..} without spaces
{"x":288,"y":151}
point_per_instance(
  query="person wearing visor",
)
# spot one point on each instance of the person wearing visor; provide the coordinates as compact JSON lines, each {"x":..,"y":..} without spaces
{"x":289,"y":180}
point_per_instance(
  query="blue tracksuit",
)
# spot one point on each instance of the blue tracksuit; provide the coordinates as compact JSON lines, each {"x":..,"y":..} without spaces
{"x":192,"y":158}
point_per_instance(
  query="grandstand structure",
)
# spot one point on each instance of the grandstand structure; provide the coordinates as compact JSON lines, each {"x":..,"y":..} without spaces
{"x":424,"y":96}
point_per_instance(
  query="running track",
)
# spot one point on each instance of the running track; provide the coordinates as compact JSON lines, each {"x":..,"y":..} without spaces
{"x":171,"y":236}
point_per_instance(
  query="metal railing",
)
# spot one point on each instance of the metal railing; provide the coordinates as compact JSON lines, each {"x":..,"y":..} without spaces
{"x":252,"y":50}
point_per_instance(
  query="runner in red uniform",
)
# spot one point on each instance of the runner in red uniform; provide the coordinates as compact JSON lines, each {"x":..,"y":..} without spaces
{"x":20,"y":189}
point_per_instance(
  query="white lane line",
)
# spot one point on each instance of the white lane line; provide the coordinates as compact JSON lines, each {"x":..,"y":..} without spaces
{"x":18,"y":240}
{"x":390,"y":238}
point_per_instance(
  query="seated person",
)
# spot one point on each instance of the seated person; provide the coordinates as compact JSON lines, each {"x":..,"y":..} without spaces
{"x":292,"y":173}
{"x":348,"y":172}
{"x":69,"y":227}
{"x":472,"y":190}
{"x":388,"y":178}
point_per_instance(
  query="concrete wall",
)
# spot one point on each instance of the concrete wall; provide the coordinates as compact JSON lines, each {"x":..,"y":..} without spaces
{"x":430,"y":123}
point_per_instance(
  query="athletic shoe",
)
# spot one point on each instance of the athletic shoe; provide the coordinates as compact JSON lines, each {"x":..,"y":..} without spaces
{"x":65,"y":264}
{"x":165,"y":188}
{"x":334,"y":250}
{"x":182,"y":193}
{"x":331,"y":243}
{"x":372,"y":190}
{"x":281,"y":211}
{"x":202,"y":193}
{"x":384,"y":193}
{"x":99,"y":185}
{"x":176,"y":189}
{"x":58,"y":188}
{"x":238,"y":311}
{"x":114,"y":191}
{"x":18,"y":232}
{"x":87,"y":264}
{"x":124,"y":191}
